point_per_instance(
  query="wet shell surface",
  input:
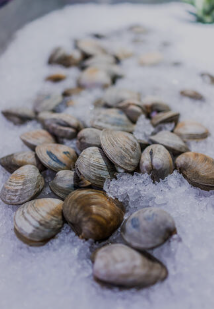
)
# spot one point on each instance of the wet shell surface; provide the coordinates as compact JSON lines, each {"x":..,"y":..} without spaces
{"x":88,"y":137}
{"x":22,"y":186}
{"x":92,"y":214}
{"x":112,"y":118}
{"x":94,"y":166}
{"x":38,"y":221}
{"x":122,"y":266}
{"x":148,"y":228}
{"x":63,"y":183}
{"x":152,"y":58}
{"x":56,"y":157}
{"x":171,"y":141}
{"x":197,"y":169}
{"x":94,"y":77}
{"x":47,"y":103}
{"x":14,"y":161}
{"x":191,"y":130}
{"x":90,"y":47}
{"x":18,"y":115}
{"x":113,"y":96}
{"x":192,"y":94}
{"x":157,"y":162}
{"x":37,"y":137}
{"x":121,"y":148}
{"x":165,"y":117}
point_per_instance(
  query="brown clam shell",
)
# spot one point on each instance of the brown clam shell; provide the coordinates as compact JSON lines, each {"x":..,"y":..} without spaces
{"x":37,"y":137}
{"x":191,"y":130}
{"x":165,"y":117}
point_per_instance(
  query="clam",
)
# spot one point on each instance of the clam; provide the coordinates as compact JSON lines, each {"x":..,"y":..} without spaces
{"x":171,"y":141}
{"x":154,"y":105}
{"x":37,"y":137}
{"x":208,"y":78}
{"x":152,"y":58}
{"x":63,"y":183}
{"x":112,"y":118}
{"x":148,"y":228}
{"x":38,"y":221}
{"x":60,"y":124}
{"x":90,"y":47}
{"x":156,"y":161}
{"x":99,"y":59}
{"x":143,"y":143}
{"x":94,"y":77}
{"x":113,"y":70}
{"x":132,"y":108}
{"x":122,"y":266}
{"x":123,"y":52}
{"x":55,"y":78}
{"x":72,"y":91}
{"x":192,"y":94}
{"x":60,"y":56}
{"x":22,"y":186}
{"x":165,"y":117}
{"x":47,"y":103}
{"x":197,"y":169}
{"x":191,"y":130}
{"x":92,"y":214}
{"x":56,"y":157}
{"x":121,"y":148}
{"x":14,"y":161}
{"x":88,"y":137}
{"x":113,"y":96}
{"x":18,"y":115}
{"x":94,"y":166}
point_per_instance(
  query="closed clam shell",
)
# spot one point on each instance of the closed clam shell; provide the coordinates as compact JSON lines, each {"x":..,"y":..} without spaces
{"x":165,"y":117}
{"x":192,"y":94}
{"x":171,"y":141}
{"x":94,"y":166}
{"x":72,"y":91}
{"x":152,"y":58}
{"x":94,"y":77}
{"x":63,"y":183}
{"x":55,"y":78}
{"x":148,"y":228}
{"x":112,"y":118}
{"x":122,"y":266}
{"x":208,"y":78}
{"x":46,"y":103}
{"x":132,"y":108}
{"x":113,"y":70}
{"x":123,"y":52}
{"x":99,"y":59}
{"x":88,"y":137}
{"x":121,"y":148}
{"x":90,"y":47}
{"x":153,"y":104}
{"x":56,"y":157}
{"x":38,"y":221}
{"x":197,"y":169}
{"x":37,"y":137}
{"x":22,"y":185}
{"x":14,"y":161}
{"x":191,"y":130}
{"x":18,"y":115}
{"x":92,"y":214}
{"x":61,"y":57}
{"x":113,"y":96}
{"x":157,"y":162}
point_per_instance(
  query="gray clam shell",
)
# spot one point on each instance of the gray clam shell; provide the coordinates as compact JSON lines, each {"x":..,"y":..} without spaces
{"x":37,"y":137}
{"x":90,"y":47}
{"x":18,"y":115}
{"x":46,"y":103}
{"x":113,"y":96}
{"x":63,"y":183}
{"x":191,"y":130}
{"x":94,"y":77}
{"x":88,"y":137}
{"x":165,"y":117}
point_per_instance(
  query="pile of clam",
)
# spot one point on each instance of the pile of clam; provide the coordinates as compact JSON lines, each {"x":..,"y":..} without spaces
{"x":103,"y":149}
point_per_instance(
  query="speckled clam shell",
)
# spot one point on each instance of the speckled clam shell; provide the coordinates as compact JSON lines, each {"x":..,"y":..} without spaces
{"x":113,"y":96}
{"x":56,"y":157}
{"x":191,"y":130}
{"x":46,"y":103}
{"x":94,"y":77}
{"x":92,"y":214}
{"x":149,"y":59}
{"x":88,"y":137}
{"x":61,"y":57}
{"x":94,"y":166}
{"x":24,"y":184}
{"x":38,"y":221}
{"x":197,"y":169}
{"x":37,"y":137}
{"x":192,"y":94}
{"x":112,"y":118}
{"x":157,"y":162}
{"x":63,"y":183}
{"x":121,"y":148}
{"x":18,"y":115}
{"x":171,"y":141}
{"x":165,"y":117}
{"x":122,"y":266}
{"x":90,"y":47}
{"x":14,"y":161}
{"x":148,"y":228}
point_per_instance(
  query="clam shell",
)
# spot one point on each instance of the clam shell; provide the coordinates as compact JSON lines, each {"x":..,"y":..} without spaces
{"x":38,"y":221}
{"x":152,"y":58}
{"x":72,"y":91}
{"x":22,"y":186}
{"x":61,"y":57}
{"x":191,"y":130}
{"x":132,"y":108}
{"x":63,"y":183}
{"x":14,"y":161}
{"x":113,"y":118}
{"x":94,"y":77}
{"x":113,"y":70}
{"x":148,"y":228}
{"x":46,"y":103}
{"x":99,"y":59}
{"x":92,"y":214}
{"x":18,"y":115}
{"x":122,"y":266}
{"x":37,"y":137}
{"x":113,"y":96}
{"x":90,"y":47}
{"x":56,"y":157}
{"x":88,"y":137}
{"x":165,"y":117}
{"x":197,"y":169}
{"x":122,"y":53}
{"x":171,"y":141}
{"x":121,"y":148}
{"x":138,"y":29}
{"x":55,"y":78}
{"x":153,"y":104}
{"x":94,"y":166}
{"x":208,"y":78}
{"x":157,"y":162}
{"x":192,"y":94}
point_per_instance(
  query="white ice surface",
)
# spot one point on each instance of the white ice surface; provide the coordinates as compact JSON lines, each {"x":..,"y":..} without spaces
{"x":59,"y":275}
